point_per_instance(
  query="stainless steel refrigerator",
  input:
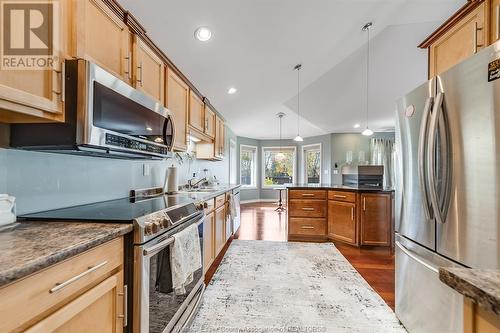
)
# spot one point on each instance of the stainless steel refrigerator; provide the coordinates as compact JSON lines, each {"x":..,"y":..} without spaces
{"x":447,"y":188}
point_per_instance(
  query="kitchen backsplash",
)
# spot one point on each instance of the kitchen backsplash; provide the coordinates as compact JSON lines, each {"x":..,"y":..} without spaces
{"x":43,"y":181}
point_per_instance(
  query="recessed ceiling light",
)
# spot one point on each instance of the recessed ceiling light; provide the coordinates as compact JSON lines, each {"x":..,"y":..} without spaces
{"x":232,"y":90}
{"x":357,"y":125}
{"x":202,"y":34}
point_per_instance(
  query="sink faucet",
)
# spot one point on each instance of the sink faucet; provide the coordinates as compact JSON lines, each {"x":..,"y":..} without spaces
{"x":191,"y":185}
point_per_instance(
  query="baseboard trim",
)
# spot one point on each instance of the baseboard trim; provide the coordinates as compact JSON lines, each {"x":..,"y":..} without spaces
{"x":258,"y":200}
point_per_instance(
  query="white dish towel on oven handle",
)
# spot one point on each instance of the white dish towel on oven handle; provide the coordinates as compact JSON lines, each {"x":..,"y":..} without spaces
{"x":185,"y":258}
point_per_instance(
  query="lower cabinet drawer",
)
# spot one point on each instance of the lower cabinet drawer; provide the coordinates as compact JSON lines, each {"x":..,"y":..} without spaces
{"x":307,"y":226}
{"x":342,"y":196}
{"x":307,"y":208}
{"x":28,"y":299}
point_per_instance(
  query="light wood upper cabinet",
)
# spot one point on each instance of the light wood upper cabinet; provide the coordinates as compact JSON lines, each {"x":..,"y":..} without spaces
{"x":494,"y":20}
{"x":177,"y":101}
{"x":208,"y":241}
{"x":342,"y":221}
{"x":149,"y":70}
{"x":376,"y":219}
{"x":209,"y":122}
{"x":470,"y":29}
{"x":196,"y":112}
{"x":36,"y":95}
{"x":102,"y":37}
{"x":220,"y":133}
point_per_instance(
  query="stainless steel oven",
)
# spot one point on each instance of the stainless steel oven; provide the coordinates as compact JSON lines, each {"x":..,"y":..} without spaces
{"x":157,"y":308}
{"x":104,"y":116}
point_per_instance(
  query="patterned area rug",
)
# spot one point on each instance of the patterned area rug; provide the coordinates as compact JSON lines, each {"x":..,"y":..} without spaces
{"x":271,"y":287}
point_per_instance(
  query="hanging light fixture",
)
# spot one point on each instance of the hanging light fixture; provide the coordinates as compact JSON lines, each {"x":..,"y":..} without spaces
{"x":298,"y":138}
{"x":366,"y":27}
{"x":280,"y":155}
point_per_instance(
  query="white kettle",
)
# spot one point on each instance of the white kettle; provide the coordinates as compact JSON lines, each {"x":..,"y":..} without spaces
{"x":7,"y":209}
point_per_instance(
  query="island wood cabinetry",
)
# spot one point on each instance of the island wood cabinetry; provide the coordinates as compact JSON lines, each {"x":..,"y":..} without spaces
{"x":307,"y":212}
{"x":470,"y":29}
{"x":84,"y":293}
{"x":478,"y":319}
{"x":350,"y":216}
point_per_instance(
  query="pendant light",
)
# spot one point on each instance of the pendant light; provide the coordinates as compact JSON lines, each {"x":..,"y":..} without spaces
{"x":280,"y":155}
{"x":366,"y":27}
{"x":298,"y":138}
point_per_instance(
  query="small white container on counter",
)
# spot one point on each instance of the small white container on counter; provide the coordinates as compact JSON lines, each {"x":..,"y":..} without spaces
{"x":7,"y":209}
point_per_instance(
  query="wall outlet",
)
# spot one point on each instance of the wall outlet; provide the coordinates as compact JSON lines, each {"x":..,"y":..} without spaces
{"x":145,"y":170}
{"x":326,"y":171}
{"x":335,"y":171}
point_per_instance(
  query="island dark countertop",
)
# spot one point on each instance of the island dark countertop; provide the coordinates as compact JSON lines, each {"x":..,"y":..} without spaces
{"x":480,"y":285}
{"x":30,"y":246}
{"x":337,"y":187}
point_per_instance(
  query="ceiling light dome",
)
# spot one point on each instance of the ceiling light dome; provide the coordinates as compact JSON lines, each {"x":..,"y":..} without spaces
{"x":367,"y":132}
{"x":203,"y":34}
{"x":232,"y":90}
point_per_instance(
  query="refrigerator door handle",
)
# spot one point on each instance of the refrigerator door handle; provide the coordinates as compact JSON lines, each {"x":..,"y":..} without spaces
{"x":417,"y":258}
{"x":431,"y":157}
{"x":422,"y":158}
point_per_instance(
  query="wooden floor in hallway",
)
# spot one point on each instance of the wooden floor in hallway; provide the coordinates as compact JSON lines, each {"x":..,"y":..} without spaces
{"x":260,"y":221}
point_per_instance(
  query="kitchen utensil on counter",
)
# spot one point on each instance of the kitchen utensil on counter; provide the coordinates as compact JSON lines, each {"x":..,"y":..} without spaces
{"x":7,"y":209}
{"x":171,"y":180}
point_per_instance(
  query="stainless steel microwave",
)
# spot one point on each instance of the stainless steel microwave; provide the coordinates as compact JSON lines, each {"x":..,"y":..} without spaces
{"x":104,"y":116}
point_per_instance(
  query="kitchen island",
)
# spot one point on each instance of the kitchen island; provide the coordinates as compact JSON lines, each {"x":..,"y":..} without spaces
{"x":357,"y":216}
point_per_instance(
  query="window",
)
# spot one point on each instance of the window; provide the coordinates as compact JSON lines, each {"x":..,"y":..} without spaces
{"x":311,"y":163}
{"x":248,"y":166}
{"x":278,"y":170}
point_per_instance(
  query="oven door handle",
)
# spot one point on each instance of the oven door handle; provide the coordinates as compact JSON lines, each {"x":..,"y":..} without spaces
{"x":158,"y":247}
{"x":163,"y":244}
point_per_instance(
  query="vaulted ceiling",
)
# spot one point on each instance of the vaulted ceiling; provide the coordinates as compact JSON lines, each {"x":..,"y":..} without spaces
{"x":256,"y":44}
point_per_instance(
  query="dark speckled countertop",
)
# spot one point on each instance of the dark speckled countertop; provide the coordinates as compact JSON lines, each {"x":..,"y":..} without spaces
{"x":28,"y":247}
{"x":480,"y":285}
{"x":337,"y":187}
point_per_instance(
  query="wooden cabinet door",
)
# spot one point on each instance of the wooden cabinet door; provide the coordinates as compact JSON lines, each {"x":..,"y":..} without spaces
{"x":342,"y":221}
{"x":36,"y":95}
{"x":177,"y":101}
{"x":220,"y":229}
{"x":494,"y":21}
{"x":196,"y":112}
{"x":149,"y":70}
{"x":100,"y":309}
{"x":376,"y":219}
{"x":219,"y":144}
{"x":102,"y":37}
{"x":209,"y":122}
{"x":208,"y":241}
{"x":464,"y":39}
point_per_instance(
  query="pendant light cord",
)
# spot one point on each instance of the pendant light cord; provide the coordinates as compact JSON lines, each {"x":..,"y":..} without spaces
{"x":298,"y":99}
{"x":367,"y":72}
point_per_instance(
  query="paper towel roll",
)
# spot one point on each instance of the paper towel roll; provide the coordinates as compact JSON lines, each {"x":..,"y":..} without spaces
{"x":172,"y":183}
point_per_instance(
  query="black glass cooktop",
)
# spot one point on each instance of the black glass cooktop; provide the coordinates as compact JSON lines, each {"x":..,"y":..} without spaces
{"x":120,"y":210}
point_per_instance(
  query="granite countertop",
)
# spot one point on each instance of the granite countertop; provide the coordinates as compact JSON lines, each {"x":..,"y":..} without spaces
{"x":204,"y":194}
{"x":480,"y":285}
{"x":339,"y":187}
{"x":30,"y":246}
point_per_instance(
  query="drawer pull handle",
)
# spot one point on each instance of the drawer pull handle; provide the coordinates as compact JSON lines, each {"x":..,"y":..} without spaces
{"x":61,"y":285}
{"x":307,"y":195}
{"x":125,"y":306}
{"x":306,"y":227}
{"x":340,"y":196}
{"x":308,"y":209}
{"x":476,"y":29}
{"x":352,"y":213}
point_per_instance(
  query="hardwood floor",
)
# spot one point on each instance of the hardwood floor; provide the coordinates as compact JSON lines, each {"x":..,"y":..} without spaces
{"x":259,"y":221}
